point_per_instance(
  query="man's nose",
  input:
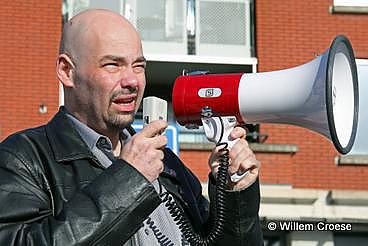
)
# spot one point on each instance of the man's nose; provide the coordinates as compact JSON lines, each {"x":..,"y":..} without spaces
{"x":129,"y":78}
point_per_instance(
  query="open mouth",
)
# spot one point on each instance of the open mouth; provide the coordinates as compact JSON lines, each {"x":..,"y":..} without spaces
{"x":124,"y":103}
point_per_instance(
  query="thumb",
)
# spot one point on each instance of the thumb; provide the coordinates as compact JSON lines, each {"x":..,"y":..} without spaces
{"x":154,"y":128}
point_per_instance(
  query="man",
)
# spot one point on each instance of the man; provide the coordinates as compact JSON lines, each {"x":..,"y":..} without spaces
{"x":85,"y":179}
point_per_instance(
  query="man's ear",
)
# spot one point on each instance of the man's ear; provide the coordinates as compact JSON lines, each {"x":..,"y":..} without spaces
{"x":65,"y":70}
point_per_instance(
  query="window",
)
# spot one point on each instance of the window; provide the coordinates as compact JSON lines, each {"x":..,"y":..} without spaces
{"x":224,"y":27}
{"x":349,"y":6}
{"x":352,"y":3}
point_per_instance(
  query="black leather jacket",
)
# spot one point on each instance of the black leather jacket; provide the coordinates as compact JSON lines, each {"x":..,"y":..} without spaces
{"x":53,"y":191}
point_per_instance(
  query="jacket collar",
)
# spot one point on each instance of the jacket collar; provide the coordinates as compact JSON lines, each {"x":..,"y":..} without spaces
{"x":67,"y":144}
{"x":64,"y":139}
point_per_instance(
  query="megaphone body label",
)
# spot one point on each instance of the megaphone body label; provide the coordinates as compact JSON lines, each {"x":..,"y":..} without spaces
{"x":209,"y":92}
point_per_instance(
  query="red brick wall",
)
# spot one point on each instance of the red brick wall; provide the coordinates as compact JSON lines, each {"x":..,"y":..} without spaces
{"x":197,"y":161}
{"x":290,"y":33}
{"x":28,"y":48}
{"x":276,"y":168}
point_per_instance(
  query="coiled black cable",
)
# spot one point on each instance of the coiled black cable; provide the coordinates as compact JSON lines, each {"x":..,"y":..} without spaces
{"x":220,"y":203}
{"x":161,"y":238}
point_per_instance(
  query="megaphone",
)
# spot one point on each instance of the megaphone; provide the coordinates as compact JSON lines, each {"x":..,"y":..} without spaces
{"x":321,"y":95}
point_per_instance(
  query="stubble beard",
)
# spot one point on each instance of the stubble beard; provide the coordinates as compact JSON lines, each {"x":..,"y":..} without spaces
{"x":117,"y":122}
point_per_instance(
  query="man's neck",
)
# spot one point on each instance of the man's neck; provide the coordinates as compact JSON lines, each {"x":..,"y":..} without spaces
{"x":117,"y":148}
{"x":112,"y":134}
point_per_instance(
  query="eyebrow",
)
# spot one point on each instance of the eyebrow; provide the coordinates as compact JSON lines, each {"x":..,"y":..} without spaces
{"x":122,"y":59}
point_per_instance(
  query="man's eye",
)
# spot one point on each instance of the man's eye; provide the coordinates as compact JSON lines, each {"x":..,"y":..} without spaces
{"x":111,"y":66}
{"x":139,"y":68}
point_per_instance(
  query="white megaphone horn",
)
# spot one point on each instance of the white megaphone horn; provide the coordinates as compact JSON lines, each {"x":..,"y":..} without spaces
{"x":321,"y":95}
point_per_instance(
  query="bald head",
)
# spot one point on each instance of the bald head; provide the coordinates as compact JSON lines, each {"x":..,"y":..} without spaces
{"x":102,"y":69}
{"x":92,"y":25}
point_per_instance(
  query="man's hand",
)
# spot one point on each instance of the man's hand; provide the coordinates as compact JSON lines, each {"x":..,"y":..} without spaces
{"x":242,"y":159}
{"x":144,"y":150}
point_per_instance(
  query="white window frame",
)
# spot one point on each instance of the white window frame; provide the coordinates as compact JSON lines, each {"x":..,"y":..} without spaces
{"x":351,"y":3}
{"x":349,"y":6}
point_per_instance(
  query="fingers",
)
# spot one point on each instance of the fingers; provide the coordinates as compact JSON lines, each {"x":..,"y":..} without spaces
{"x":143,"y":143}
{"x":145,"y":154}
{"x":151,"y":135}
{"x":159,"y":141}
{"x":242,"y":160}
{"x":239,"y":147}
{"x":215,"y":154}
{"x":158,"y":155}
{"x":241,"y":164}
{"x":213,"y":160}
{"x":244,"y":166}
{"x":238,"y":132}
{"x":144,"y":150}
{"x":154,"y":128}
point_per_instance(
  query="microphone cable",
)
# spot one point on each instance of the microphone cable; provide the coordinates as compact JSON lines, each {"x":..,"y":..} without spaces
{"x":218,"y":223}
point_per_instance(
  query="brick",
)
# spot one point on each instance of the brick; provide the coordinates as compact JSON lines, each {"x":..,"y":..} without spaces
{"x":29,"y":48}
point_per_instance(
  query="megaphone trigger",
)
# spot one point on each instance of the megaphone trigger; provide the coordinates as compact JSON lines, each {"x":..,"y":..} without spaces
{"x":217,"y":130}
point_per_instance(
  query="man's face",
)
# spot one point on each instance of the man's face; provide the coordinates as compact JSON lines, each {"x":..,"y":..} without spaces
{"x":110,"y":79}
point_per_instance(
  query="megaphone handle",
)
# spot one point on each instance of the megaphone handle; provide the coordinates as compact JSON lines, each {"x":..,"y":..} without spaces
{"x":217,"y":130}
